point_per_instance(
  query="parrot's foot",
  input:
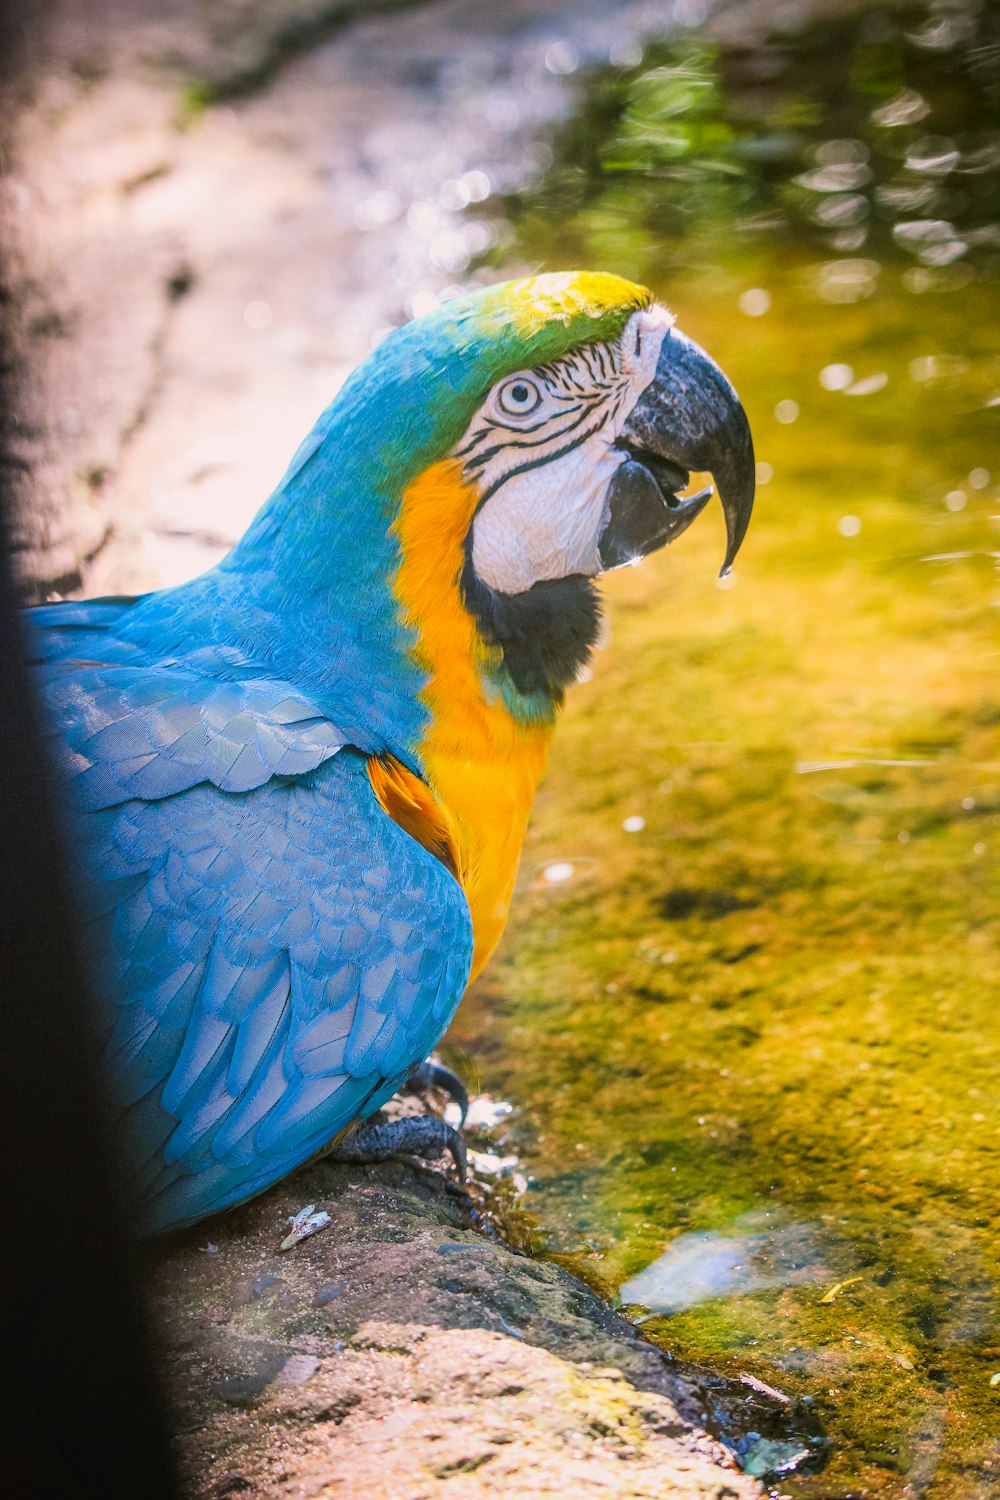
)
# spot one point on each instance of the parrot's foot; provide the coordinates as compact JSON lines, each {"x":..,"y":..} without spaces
{"x":417,"y":1135}
{"x":432,"y":1074}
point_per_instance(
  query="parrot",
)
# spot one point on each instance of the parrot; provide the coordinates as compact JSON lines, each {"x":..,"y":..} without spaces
{"x":299,"y":784}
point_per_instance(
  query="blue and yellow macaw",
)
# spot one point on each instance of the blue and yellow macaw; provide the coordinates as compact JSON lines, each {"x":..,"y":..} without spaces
{"x":304,"y":777}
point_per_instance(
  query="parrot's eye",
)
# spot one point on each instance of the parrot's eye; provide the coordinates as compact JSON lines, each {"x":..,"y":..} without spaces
{"x":519,"y":396}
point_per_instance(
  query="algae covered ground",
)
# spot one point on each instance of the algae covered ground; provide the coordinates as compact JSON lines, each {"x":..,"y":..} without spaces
{"x":748,"y":1000}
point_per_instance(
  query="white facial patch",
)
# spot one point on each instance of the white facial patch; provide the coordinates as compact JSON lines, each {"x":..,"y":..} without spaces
{"x":541,"y":450}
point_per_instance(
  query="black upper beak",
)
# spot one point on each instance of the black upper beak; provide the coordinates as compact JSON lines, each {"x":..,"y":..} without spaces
{"x":689,"y":417}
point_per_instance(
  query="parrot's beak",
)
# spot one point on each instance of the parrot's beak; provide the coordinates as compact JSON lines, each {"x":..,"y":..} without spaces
{"x":689,"y":417}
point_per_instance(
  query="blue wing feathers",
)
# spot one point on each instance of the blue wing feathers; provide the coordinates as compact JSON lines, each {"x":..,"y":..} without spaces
{"x":204,"y":1040}
{"x":259,"y":1027}
{"x":150,"y":732}
{"x":66,"y":626}
{"x":276,"y":954}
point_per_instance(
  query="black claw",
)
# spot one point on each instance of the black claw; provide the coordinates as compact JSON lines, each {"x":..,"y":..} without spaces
{"x":416,"y":1135}
{"x":434,"y":1075}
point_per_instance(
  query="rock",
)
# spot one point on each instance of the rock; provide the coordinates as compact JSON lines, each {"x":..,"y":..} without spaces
{"x":232,"y":1484}
{"x":329,"y":1292}
{"x":251,"y":1291}
{"x":297,"y":1370}
{"x":192,"y":281}
{"x":244,"y":1390}
{"x":403,"y":1346}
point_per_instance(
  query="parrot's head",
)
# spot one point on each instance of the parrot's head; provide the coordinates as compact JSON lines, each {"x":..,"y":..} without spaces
{"x":578,"y":456}
{"x":493,"y":458}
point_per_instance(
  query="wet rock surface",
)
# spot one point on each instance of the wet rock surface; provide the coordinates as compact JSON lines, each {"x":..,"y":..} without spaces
{"x":399,"y":1352}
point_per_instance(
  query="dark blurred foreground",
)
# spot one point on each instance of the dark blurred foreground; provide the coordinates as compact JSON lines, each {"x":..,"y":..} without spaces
{"x":82,"y":1413}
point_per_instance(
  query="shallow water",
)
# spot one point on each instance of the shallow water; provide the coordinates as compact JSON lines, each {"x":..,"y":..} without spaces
{"x":748,"y":998}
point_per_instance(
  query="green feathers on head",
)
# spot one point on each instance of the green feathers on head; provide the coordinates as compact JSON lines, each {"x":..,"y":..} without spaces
{"x":418,"y":391}
{"x":518,"y":324}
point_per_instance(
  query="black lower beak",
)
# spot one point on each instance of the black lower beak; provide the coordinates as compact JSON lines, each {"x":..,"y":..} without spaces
{"x":642,"y":516}
{"x":689,"y":417}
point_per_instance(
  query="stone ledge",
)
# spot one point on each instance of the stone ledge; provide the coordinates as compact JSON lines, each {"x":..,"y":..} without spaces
{"x":401,"y":1353}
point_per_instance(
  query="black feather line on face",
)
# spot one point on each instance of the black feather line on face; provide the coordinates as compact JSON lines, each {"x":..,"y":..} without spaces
{"x":546,"y":633}
{"x":507,"y":438}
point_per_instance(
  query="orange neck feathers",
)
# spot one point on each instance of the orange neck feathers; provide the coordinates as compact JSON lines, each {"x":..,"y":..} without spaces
{"x":481,"y":763}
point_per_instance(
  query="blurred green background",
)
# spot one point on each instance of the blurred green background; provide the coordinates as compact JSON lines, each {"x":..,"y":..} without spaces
{"x":749,"y":991}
